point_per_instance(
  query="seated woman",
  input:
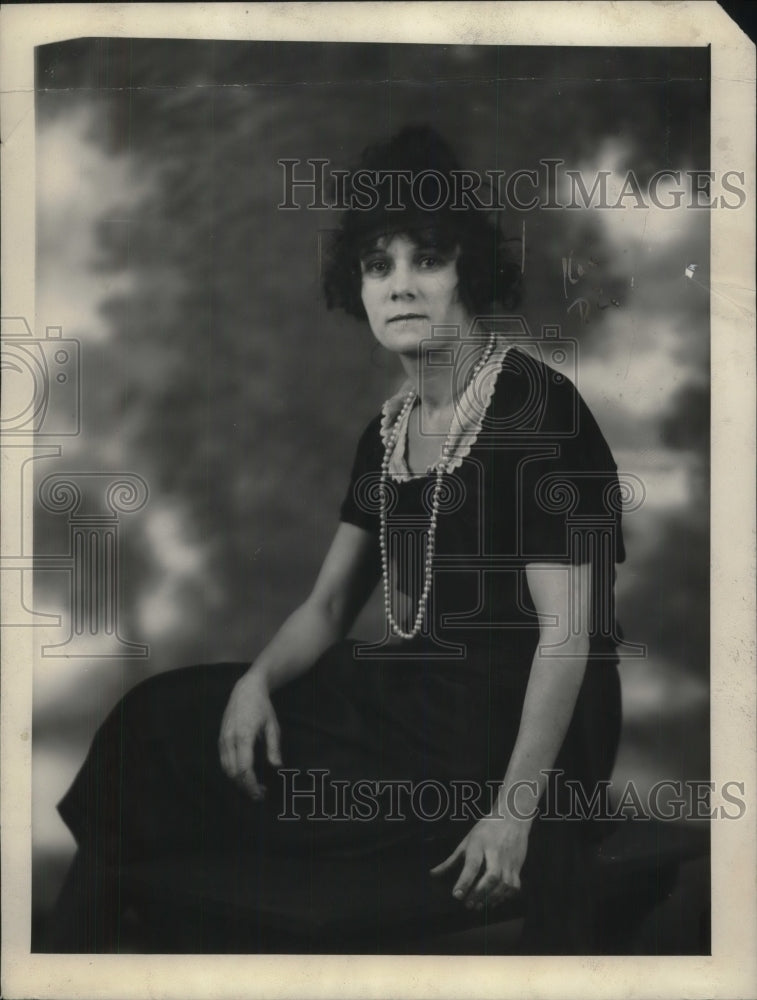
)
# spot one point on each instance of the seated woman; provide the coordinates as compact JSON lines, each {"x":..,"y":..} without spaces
{"x":482,"y":500}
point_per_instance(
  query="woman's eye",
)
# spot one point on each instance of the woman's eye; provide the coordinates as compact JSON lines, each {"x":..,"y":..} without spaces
{"x":429,"y":261}
{"x":376,"y":266}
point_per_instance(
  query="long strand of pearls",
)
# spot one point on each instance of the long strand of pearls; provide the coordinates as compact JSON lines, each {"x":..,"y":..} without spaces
{"x":441,"y":468}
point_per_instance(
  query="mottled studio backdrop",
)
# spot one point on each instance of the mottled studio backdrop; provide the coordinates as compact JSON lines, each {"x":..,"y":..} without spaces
{"x":210,"y":368}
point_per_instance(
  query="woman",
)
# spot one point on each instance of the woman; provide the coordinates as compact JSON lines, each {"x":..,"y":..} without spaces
{"x":497,"y":670}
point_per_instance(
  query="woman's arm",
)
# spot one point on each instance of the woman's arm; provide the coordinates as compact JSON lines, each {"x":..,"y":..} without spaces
{"x":346,"y":579}
{"x":553,"y":683}
{"x":499,"y":842}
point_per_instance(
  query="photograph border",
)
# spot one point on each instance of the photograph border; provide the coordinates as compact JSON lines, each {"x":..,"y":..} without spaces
{"x":731,"y":970}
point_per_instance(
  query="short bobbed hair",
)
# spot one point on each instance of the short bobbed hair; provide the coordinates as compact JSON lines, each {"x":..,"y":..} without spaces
{"x":489,"y":280}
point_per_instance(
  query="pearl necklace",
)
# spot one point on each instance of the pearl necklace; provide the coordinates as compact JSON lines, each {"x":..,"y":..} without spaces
{"x":441,"y":468}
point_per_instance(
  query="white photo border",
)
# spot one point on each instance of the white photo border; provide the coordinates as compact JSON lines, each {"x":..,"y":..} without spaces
{"x":731,"y":970}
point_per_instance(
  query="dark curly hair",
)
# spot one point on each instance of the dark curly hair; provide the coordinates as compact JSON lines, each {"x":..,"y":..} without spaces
{"x":489,"y":278}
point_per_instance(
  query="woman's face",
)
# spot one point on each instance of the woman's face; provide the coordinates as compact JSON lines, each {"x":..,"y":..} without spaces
{"x":408,"y":288}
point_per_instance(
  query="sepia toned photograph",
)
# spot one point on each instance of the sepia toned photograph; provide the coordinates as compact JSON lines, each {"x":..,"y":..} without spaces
{"x":363,"y":525}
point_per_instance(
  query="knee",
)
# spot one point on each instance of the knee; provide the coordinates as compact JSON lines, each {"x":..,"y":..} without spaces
{"x":185,"y":692}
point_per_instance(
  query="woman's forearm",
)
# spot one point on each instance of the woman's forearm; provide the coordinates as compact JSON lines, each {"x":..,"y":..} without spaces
{"x":347,"y":576}
{"x":553,"y":686}
{"x":305,"y":635}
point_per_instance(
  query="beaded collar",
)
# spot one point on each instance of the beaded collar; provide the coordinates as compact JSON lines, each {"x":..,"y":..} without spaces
{"x":467,"y":420}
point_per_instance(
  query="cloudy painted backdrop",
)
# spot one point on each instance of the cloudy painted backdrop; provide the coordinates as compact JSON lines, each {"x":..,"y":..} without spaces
{"x":211,"y":368}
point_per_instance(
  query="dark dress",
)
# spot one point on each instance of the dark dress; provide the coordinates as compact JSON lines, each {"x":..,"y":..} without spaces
{"x":423,"y":718}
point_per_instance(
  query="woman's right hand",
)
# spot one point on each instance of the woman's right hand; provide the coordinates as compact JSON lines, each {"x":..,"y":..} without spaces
{"x":249,"y":716}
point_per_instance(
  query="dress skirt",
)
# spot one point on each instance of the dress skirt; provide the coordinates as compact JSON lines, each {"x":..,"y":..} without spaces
{"x":381,"y":756}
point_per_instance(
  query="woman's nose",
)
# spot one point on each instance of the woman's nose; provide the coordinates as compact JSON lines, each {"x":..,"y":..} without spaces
{"x":402,"y":286}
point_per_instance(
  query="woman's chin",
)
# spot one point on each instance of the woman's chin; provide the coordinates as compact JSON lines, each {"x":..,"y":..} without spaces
{"x":405,"y":335}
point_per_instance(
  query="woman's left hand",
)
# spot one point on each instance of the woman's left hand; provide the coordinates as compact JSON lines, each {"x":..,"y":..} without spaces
{"x":493,"y":853}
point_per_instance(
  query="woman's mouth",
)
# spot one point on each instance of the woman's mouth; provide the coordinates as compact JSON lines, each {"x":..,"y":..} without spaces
{"x":403,"y":316}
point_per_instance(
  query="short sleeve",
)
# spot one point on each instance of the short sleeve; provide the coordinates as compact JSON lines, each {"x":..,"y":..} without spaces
{"x":570,"y":500}
{"x":360,"y":503}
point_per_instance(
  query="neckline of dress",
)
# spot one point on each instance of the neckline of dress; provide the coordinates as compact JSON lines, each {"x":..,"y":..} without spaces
{"x":467,"y":419}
